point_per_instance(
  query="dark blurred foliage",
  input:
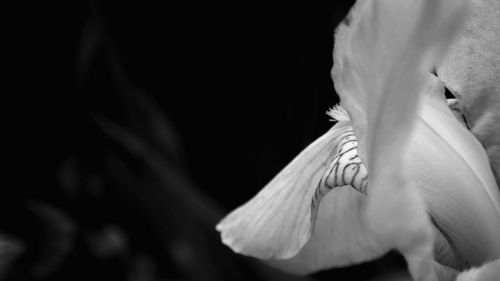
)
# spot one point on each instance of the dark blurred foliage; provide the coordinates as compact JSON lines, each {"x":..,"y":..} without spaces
{"x":136,"y":126}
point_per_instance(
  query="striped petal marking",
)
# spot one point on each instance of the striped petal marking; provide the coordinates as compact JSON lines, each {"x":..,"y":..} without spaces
{"x":345,"y":169}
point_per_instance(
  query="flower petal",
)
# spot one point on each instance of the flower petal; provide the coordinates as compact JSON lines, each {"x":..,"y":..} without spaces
{"x":381,"y":43}
{"x":286,"y":214}
{"x":488,"y":272}
{"x":452,"y":173}
{"x":379,"y":73}
{"x":276,"y":223}
{"x":341,"y":236}
{"x":471,"y":70}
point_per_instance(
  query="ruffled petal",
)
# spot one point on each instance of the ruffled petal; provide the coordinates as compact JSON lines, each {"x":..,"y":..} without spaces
{"x":471,"y":70}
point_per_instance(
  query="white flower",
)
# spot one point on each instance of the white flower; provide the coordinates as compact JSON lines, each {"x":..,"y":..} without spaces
{"x":397,"y":171}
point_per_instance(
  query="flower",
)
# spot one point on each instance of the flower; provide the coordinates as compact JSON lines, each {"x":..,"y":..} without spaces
{"x":397,"y":171}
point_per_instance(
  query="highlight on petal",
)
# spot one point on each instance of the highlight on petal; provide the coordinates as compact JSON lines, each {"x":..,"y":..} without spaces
{"x":471,"y":70}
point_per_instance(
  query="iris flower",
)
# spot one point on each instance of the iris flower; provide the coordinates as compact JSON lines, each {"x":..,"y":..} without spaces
{"x":400,"y":169}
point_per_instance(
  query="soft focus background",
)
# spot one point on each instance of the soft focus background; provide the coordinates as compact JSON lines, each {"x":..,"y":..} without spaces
{"x":137,"y":126}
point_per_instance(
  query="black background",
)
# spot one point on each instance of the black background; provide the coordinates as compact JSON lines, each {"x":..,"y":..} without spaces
{"x":136,"y":126}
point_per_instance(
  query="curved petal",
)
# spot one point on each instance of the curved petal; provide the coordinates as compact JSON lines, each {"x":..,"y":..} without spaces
{"x":452,"y":173}
{"x":281,"y":218}
{"x":471,"y":70}
{"x":276,"y":223}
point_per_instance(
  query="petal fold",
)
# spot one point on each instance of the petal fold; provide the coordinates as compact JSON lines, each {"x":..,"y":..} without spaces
{"x":341,"y":236}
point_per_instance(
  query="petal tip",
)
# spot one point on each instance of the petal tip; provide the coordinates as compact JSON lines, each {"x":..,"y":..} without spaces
{"x":245,"y":238}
